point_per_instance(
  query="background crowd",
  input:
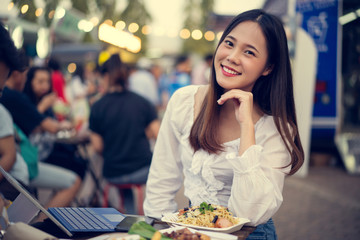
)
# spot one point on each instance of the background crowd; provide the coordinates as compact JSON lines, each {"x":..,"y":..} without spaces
{"x":42,"y":107}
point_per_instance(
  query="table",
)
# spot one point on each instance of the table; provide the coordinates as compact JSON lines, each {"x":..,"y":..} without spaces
{"x":242,"y":234}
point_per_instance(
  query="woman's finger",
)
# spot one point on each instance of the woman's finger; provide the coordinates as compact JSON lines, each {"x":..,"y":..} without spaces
{"x":242,"y":96}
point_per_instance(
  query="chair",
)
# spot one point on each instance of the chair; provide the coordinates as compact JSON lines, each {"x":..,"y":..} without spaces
{"x":139,"y":196}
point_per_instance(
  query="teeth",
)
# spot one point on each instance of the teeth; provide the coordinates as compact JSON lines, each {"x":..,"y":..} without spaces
{"x":230,"y":71}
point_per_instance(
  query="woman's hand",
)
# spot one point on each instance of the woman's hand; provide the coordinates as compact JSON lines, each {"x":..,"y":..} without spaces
{"x":66,"y":125}
{"x":243,"y":103}
{"x":243,"y":106}
{"x":47,"y":102}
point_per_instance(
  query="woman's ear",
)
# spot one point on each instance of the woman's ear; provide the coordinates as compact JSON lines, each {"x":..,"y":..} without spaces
{"x":268,"y":70}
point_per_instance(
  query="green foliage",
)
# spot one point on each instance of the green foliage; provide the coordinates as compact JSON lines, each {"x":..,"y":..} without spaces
{"x":197,"y":14}
{"x":81,"y":5}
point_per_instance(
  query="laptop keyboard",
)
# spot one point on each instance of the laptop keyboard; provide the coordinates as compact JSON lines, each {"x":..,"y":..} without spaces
{"x":83,"y":218}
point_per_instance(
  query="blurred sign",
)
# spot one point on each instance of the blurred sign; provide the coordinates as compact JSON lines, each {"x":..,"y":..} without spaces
{"x":65,"y":24}
{"x":320,"y":19}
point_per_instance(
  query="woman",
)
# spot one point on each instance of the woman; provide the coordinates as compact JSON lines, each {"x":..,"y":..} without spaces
{"x":38,"y":88}
{"x":236,"y":139}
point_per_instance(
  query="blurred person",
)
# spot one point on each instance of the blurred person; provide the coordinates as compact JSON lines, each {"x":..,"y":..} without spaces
{"x":58,"y":80}
{"x":19,"y":105}
{"x":121,"y":124}
{"x":10,"y":160}
{"x":9,"y":57}
{"x":180,"y":77}
{"x":161,"y":80}
{"x":39,"y":91}
{"x":142,"y":82}
{"x":98,"y":87}
{"x":77,"y":95}
{"x":15,"y":153}
{"x":76,"y":86}
{"x":9,"y":61}
{"x":61,"y":107}
{"x":24,"y":112}
{"x":201,"y":73}
{"x":234,"y":141}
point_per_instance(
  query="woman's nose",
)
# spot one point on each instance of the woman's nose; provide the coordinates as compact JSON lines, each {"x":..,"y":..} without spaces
{"x":234,"y":57}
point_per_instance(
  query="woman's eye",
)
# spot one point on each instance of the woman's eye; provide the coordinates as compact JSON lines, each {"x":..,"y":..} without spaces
{"x":250,"y":52}
{"x":229,"y":43}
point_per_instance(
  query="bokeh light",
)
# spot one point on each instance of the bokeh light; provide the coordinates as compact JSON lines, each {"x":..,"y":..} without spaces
{"x":185,"y":33}
{"x":133,"y":27}
{"x":24,"y":8}
{"x":38,"y":12}
{"x":120,"y":25}
{"x":108,"y":22}
{"x":51,"y":14}
{"x":146,"y":29}
{"x":71,"y":68}
{"x":196,"y":34}
{"x":10,"y":6}
{"x":209,"y":35}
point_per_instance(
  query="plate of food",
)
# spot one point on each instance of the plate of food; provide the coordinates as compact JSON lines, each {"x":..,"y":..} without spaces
{"x":206,"y":217}
{"x":181,"y":232}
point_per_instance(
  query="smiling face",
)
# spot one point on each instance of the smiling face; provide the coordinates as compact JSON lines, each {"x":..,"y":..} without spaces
{"x":242,"y":57}
{"x":41,"y":83}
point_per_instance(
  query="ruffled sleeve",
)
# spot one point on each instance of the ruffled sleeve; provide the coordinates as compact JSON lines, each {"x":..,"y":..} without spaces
{"x":165,"y":176}
{"x":259,"y":174}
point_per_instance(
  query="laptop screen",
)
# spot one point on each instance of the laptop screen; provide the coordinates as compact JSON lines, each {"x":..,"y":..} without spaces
{"x":35,"y":202}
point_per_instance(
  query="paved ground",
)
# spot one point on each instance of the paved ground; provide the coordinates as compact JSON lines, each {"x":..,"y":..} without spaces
{"x":323,"y":205}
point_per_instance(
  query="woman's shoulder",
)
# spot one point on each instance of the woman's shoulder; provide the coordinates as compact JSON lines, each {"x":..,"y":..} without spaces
{"x":266,"y":126}
{"x":186,"y":91}
{"x":181,"y":105}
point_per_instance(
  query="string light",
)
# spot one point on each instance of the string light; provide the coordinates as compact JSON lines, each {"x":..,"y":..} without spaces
{"x":146,"y":29}
{"x":71,"y":67}
{"x":209,"y":35}
{"x":51,"y":14}
{"x":184,"y":33}
{"x":10,"y":6}
{"x":88,"y":25}
{"x":196,"y":34}
{"x":24,"y":8}
{"x":119,"y":38}
{"x":94,"y":20}
{"x":108,"y":22}
{"x":120,"y":25}
{"x":38,"y":12}
{"x":133,"y":27}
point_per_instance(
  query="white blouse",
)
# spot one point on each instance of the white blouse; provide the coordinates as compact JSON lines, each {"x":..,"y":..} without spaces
{"x":250,"y":185}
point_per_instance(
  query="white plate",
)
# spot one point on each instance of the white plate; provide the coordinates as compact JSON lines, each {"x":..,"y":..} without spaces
{"x":116,"y":236}
{"x":212,"y":235}
{"x":171,"y":218}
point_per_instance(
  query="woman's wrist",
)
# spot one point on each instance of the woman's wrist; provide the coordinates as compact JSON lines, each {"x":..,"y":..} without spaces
{"x":247,"y":137}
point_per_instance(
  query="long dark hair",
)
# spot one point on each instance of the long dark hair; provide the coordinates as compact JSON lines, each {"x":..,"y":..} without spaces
{"x":273,"y":93}
{"x":28,"y":90}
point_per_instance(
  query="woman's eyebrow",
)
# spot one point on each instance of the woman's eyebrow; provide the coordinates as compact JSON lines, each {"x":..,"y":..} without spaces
{"x":247,"y":45}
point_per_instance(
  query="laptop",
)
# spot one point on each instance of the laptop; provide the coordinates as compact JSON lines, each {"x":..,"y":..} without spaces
{"x":70,"y":220}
